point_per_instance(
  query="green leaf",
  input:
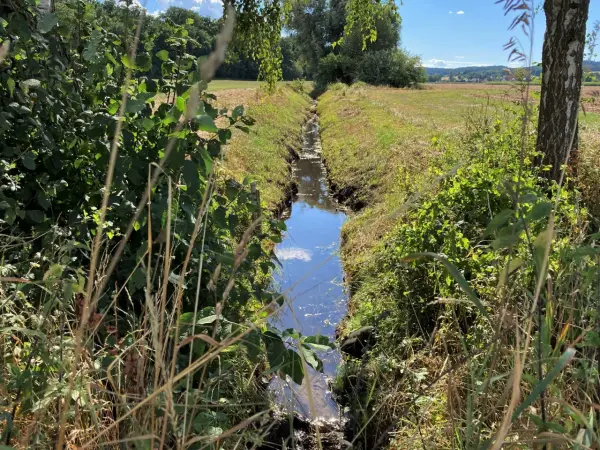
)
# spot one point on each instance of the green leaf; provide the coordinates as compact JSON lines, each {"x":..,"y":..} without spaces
{"x":147,"y":123}
{"x":275,"y":349}
{"x":291,"y":333}
{"x":134,"y":106}
{"x":127,"y":62}
{"x":113,"y":107}
{"x":28,"y":159}
{"x":137,"y":280}
{"x":224,"y":135}
{"x":91,"y":48}
{"x":143,"y":62}
{"x":186,"y":319}
{"x":528,"y":198}
{"x":455,"y":274}
{"x":206,"y":320}
{"x":189,"y":21}
{"x":207,"y":160}
{"x":145,"y":96}
{"x":539,"y":211}
{"x":10,"y":83}
{"x":43,"y":201}
{"x":205,"y":123}
{"x":319,"y":342}
{"x":237,"y":112}
{"x":292,"y":366}
{"x":22,"y":109}
{"x":552,"y":426}
{"x":35,"y":215}
{"x":49,"y":21}
{"x":219,"y":216}
{"x":543,"y":384}
{"x":499,"y":220}
{"x":180,"y":103}
{"x":311,"y":358}
{"x":204,"y":317}
{"x":190,"y":175}
{"x":54,"y":272}
{"x":506,"y":241}
{"x":10,"y":215}
{"x":163,"y":55}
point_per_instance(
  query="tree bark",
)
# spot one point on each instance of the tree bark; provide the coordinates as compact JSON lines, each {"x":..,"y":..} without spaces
{"x":562,"y":71}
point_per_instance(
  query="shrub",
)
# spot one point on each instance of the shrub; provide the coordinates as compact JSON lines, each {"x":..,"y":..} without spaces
{"x":383,"y":67}
{"x":335,"y":68}
{"x":391,"y":68}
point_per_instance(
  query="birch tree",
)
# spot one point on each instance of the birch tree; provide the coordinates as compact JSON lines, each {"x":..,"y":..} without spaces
{"x":562,"y":71}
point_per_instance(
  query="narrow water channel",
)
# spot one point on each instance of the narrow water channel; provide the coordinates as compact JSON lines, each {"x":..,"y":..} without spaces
{"x":312,"y":277}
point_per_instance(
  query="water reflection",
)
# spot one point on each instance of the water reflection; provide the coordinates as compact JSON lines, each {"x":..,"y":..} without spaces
{"x":312,"y":276}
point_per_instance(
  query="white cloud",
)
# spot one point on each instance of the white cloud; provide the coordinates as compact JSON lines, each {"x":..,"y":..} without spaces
{"x":459,"y":57}
{"x":133,"y":4}
{"x":284,"y":254}
{"x":209,"y":8}
{"x":460,"y":13}
{"x":156,"y":13}
{"x":450,"y":12}
{"x":444,"y":63}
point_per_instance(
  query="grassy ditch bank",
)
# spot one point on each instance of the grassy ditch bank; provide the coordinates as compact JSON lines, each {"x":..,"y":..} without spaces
{"x":264,"y":153}
{"x":443,"y":259}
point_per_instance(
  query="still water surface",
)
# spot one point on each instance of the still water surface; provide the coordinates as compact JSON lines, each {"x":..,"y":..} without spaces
{"x":312,"y":277}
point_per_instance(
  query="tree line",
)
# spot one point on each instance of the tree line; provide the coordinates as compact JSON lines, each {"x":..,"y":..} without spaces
{"x":316,"y":44}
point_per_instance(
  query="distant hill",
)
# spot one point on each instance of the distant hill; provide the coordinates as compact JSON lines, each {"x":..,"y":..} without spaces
{"x":594,"y":66}
{"x":486,"y":73}
{"x":474,"y":73}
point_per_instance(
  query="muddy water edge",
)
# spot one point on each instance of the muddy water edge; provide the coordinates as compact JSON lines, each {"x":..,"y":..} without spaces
{"x":312,"y":278}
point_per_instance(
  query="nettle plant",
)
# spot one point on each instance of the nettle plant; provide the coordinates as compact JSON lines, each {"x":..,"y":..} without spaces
{"x":175,"y":236}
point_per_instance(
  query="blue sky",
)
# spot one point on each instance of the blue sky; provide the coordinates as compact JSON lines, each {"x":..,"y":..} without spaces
{"x":458,"y":33}
{"x":210,"y":8}
{"x":445,"y":33}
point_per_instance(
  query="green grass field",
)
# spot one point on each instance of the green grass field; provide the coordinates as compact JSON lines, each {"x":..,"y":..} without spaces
{"x":220,"y":85}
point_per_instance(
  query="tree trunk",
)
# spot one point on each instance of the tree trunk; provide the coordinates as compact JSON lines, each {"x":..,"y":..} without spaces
{"x":562,"y":70}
